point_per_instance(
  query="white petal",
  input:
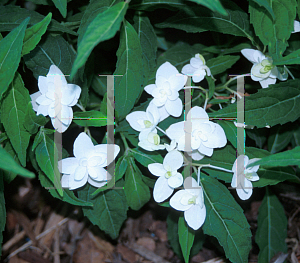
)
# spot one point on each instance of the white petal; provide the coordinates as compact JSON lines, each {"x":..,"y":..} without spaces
{"x":33,"y":97}
{"x":149,"y":88}
{"x":70,"y":93}
{"x":175,"y":201}
{"x":58,"y":125}
{"x":196,"y":155}
{"x":266,"y":82}
{"x":111,"y":149}
{"x":166,"y":70}
{"x":65,"y":181}
{"x":240,"y":163}
{"x":43,"y":100}
{"x":217,"y":139}
{"x":173,"y":161}
{"x":205,"y":150}
{"x":163,"y":113}
{"x":82,"y":145}
{"x":65,"y":115}
{"x":157,"y":169}
{"x":178,"y":81}
{"x":196,"y":62}
{"x":245,"y":192}
{"x":254,"y":168}
{"x":191,"y":186}
{"x":136,"y":120}
{"x":68,"y":165}
{"x":152,"y":113}
{"x":296,"y":26}
{"x":97,"y":173}
{"x":174,"y":107}
{"x":234,"y":181}
{"x":198,"y":113}
{"x":188,"y":70}
{"x":55,"y":75}
{"x":199,"y":75}
{"x":253,"y":55}
{"x":176,"y":131}
{"x":73,"y":184}
{"x":162,"y":190}
{"x":174,"y":95}
{"x":254,"y":176}
{"x":274,"y":73}
{"x":43,"y":84}
{"x":195,"y":216}
{"x":95,"y":183}
{"x":175,"y":180}
{"x":80,"y":173}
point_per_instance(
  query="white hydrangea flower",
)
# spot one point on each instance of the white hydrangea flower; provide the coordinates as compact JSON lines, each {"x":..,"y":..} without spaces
{"x":55,"y":98}
{"x":191,"y":201}
{"x":165,"y":90}
{"x":205,"y":135}
{"x":263,"y":70}
{"x":87,"y":165}
{"x":150,"y":141}
{"x":169,"y":178}
{"x":197,"y":68}
{"x":141,"y":120}
{"x":242,"y":176}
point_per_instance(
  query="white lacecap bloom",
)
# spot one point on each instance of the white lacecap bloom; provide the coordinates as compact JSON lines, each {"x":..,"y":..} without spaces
{"x":165,"y":90}
{"x":242,"y":176}
{"x":150,"y":141}
{"x":205,"y":135}
{"x":88,"y":163}
{"x":263,"y":70}
{"x":197,"y":68}
{"x":169,"y":178}
{"x":144,"y":121}
{"x":56,"y":98}
{"x":191,"y":201}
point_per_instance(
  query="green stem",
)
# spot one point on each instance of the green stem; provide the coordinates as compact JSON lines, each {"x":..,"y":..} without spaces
{"x":127,"y":148}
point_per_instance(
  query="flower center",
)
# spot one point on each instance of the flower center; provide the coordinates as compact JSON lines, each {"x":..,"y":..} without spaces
{"x":192,"y":200}
{"x":248,"y":175}
{"x":168,"y":174}
{"x":147,"y":123}
{"x":156,"y":139}
{"x":266,"y":66}
{"x":83,"y":162}
{"x":202,"y":136}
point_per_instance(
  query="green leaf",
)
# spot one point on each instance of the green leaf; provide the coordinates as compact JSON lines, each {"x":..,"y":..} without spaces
{"x":47,"y":158}
{"x":293,"y":58}
{"x":186,"y":238}
{"x":270,"y":175}
{"x":272,"y":228}
{"x":31,"y":121}
{"x":9,"y":176}
{"x":290,"y":157}
{"x":3,"y":137}
{"x":179,"y":55}
{"x":230,"y":130}
{"x":199,"y":19}
{"x":268,"y":106}
{"x":136,"y":191}
{"x":173,"y":237}
{"x":220,"y":64}
{"x":103,"y":27}
{"x":266,"y":4}
{"x":11,"y":17}
{"x":109,"y":209}
{"x":2,"y":211}
{"x":121,"y":167}
{"x":129,"y":85}
{"x":213,"y":5}
{"x":8,"y":163}
{"x":52,"y":50}
{"x":61,"y":5}
{"x":257,"y":135}
{"x":68,"y":196}
{"x":34,"y":34}
{"x":10,"y":55}
{"x":227,"y":50}
{"x":150,"y":5}
{"x":148,"y":41}
{"x":211,"y":85}
{"x":145,"y":158}
{"x":225,"y":220}
{"x":274,"y":34}
{"x":13,"y":111}
{"x":94,"y":8}
{"x":90,"y":118}
{"x":279,"y":138}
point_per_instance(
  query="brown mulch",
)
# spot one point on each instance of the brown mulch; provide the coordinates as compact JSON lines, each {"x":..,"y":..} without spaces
{"x":41,"y":229}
